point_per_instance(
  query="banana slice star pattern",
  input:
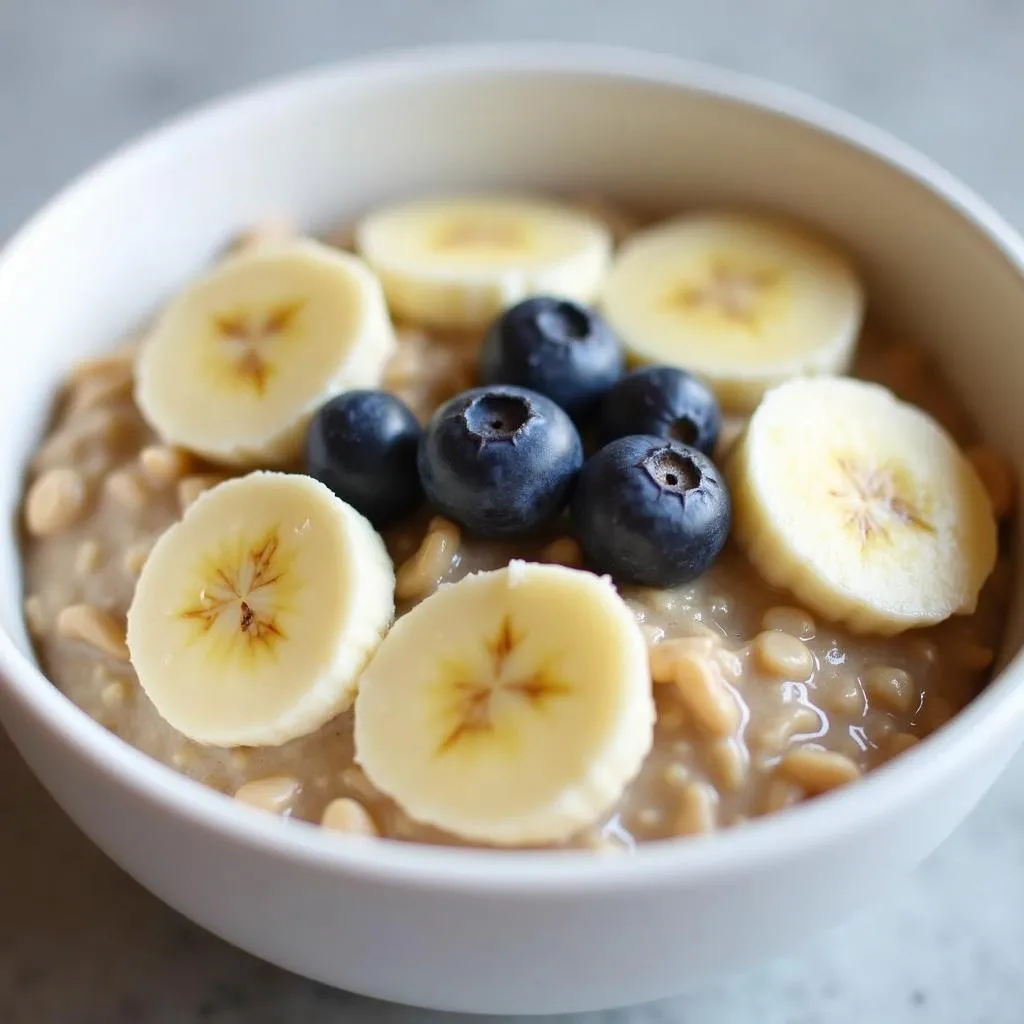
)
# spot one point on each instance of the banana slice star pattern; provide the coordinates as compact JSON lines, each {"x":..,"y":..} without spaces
{"x":511,"y":708}
{"x":458,"y":262}
{"x":255,"y":613}
{"x":241,"y":359}
{"x":743,"y":301}
{"x":861,"y":505}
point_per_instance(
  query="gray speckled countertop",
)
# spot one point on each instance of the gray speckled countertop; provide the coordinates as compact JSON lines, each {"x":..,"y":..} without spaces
{"x":80,"y":943}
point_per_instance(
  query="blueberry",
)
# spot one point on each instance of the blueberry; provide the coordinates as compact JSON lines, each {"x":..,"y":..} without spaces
{"x":556,"y":347}
{"x":362,"y":444}
{"x":500,"y":461}
{"x":665,"y":402}
{"x":651,"y":511}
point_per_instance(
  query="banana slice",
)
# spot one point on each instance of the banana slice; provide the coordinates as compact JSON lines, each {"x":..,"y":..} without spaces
{"x":458,"y":262}
{"x":861,"y":505}
{"x":254,"y":614}
{"x":744,"y":301}
{"x":510,"y":708}
{"x":239,"y":361}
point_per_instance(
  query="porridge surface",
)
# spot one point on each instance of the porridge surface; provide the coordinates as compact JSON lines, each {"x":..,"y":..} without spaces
{"x":779,"y":707}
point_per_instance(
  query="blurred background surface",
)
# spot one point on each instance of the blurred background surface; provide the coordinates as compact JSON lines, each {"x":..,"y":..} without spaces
{"x":82,"y":944}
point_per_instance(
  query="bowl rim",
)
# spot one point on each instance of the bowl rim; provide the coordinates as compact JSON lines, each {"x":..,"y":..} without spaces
{"x":988,"y":719}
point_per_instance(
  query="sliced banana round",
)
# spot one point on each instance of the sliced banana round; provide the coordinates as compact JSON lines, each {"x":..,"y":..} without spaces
{"x":861,"y":505}
{"x":458,"y":262}
{"x":254,"y":614}
{"x":510,"y":708}
{"x":741,"y":300}
{"x":238,"y":362}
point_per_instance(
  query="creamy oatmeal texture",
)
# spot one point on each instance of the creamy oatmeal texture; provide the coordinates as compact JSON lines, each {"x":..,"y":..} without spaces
{"x":759,"y":704}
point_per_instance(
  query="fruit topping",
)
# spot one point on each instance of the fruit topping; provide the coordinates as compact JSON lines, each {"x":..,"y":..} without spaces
{"x":362,"y":444}
{"x":458,"y":262}
{"x":500,"y":461}
{"x":510,"y":708}
{"x":743,"y":301}
{"x":651,"y":511}
{"x":255,"y":613}
{"x":662,"y":401}
{"x":862,"y":506}
{"x":557,"y":347}
{"x":236,"y":364}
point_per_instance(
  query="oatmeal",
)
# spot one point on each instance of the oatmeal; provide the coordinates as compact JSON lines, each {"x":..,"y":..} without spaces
{"x":762,"y":695}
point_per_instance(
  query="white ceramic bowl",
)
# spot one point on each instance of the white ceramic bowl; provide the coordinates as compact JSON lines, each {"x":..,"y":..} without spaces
{"x":478,"y":930}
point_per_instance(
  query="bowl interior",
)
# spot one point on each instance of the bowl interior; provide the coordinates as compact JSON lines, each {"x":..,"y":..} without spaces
{"x":323,"y":148}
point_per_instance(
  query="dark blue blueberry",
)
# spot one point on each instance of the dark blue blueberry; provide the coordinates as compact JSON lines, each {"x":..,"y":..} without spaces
{"x":665,"y":402}
{"x":556,"y":347}
{"x":362,"y":444}
{"x":500,"y":461}
{"x":651,"y":511}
